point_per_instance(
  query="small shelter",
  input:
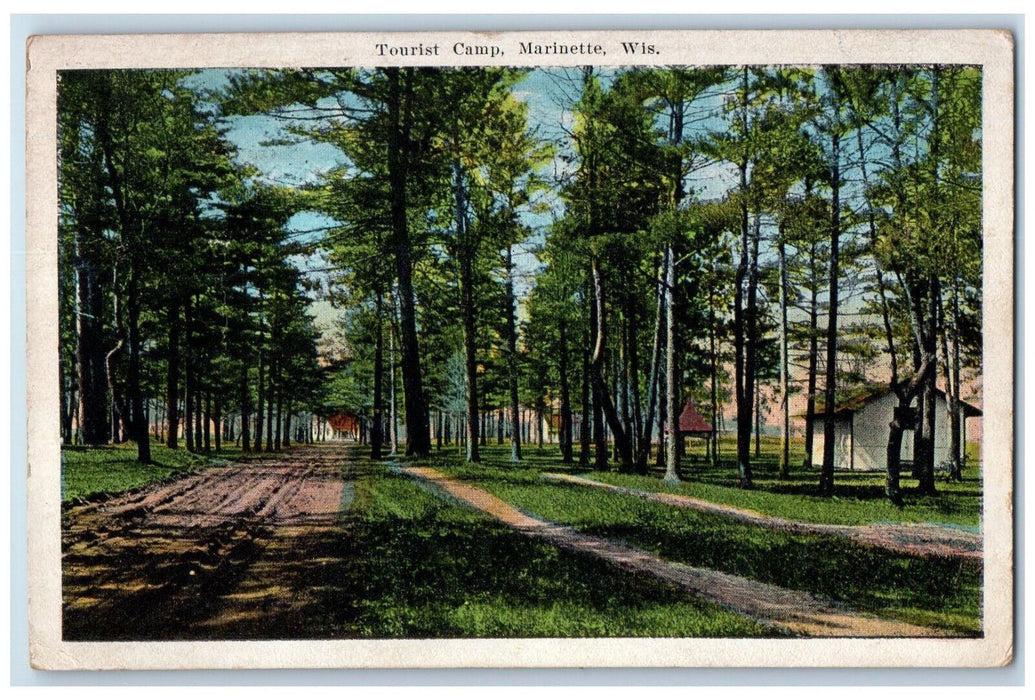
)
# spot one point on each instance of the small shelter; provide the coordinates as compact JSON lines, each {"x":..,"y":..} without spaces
{"x":691,"y":423}
{"x":346,"y":422}
{"x":862,"y":426}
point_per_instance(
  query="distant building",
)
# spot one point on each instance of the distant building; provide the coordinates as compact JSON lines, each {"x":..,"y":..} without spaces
{"x":691,"y":423}
{"x":861,"y":429}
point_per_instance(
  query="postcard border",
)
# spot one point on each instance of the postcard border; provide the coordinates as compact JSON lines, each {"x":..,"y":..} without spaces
{"x":989,"y":48}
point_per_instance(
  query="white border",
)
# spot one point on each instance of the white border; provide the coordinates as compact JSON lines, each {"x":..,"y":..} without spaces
{"x":991,"y":49}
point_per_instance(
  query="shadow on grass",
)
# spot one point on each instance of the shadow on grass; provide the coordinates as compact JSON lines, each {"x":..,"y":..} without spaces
{"x":402,"y":563}
{"x":447,"y":572}
{"x":953,"y":498}
{"x":928,"y":591}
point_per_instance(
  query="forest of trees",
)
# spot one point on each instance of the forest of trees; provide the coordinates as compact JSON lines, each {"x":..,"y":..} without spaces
{"x":741,"y":235}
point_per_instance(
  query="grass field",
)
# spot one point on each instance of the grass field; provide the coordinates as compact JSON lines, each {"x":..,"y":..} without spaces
{"x":858,"y":496}
{"x":423,"y":566}
{"x":934,"y":592}
{"x":430,"y":568}
{"x":86,"y":471}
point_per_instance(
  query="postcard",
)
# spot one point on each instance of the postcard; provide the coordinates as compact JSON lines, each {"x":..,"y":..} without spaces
{"x":521,"y":349}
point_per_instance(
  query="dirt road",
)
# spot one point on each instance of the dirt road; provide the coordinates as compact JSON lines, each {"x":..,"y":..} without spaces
{"x":257,"y":549}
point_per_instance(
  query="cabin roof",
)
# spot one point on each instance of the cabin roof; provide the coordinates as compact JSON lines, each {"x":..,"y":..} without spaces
{"x":690,"y":421}
{"x":858,"y":398}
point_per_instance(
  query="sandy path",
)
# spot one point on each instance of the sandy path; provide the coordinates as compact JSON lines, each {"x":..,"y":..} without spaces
{"x":797,"y":611}
{"x":245,"y":550}
{"x":905,"y":538}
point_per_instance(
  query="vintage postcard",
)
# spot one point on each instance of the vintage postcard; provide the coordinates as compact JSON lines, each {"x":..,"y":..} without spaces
{"x":521,"y":349}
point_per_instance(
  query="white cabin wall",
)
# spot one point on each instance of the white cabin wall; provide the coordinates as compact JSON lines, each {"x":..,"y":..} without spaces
{"x":871,"y":433}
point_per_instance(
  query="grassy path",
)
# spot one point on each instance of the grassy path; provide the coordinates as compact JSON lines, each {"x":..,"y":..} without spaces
{"x":906,"y":538}
{"x":797,"y":611}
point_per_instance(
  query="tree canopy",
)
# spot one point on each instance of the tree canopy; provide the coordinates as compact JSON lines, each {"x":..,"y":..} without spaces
{"x":544,"y":255}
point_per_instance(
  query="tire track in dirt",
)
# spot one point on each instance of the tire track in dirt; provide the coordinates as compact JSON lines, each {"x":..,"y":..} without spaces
{"x":904,"y":538}
{"x":797,"y":611}
{"x":233,"y":551}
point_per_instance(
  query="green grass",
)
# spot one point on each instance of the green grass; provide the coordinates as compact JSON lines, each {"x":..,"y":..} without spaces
{"x":431,"y":568}
{"x":86,"y":471}
{"x":858,"y":500}
{"x":416,"y":564}
{"x":858,"y":496}
{"x":925,"y":591}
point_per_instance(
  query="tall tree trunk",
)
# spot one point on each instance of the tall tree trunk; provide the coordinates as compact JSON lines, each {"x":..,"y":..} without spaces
{"x":90,"y":352}
{"x":540,"y":411}
{"x":621,"y":380}
{"x":376,"y":437}
{"x":400,"y":118}
{"x":952,"y":365}
{"x":279,"y":419}
{"x":271,"y":394}
{"x":928,"y":395}
{"x":752,"y":399}
{"x":172,"y":375}
{"x":287,"y":424}
{"x":643,"y":454}
{"x":600,"y":458}
{"x":190,"y":379}
{"x":188,"y":411}
{"x":119,"y":410}
{"x":244,"y":403}
{"x":758,"y":418}
{"x":741,"y":314}
{"x":68,"y":402}
{"x":671,"y":370}
{"x":470,"y":359}
{"x":714,"y":349}
{"x":219,"y":422}
{"x":632,"y":380}
{"x":393,"y":403}
{"x":746,"y":322}
{"x":740,"y":338}
{"x":208,"y":421}
{"x":566,"y":436}
{"x":892,"y":483}
{"x":826,"y":477}
{"x":512,"y":366}
{"x":926,"y":439}
{"x":662,"y":425}
{"x":901,"y":413}
{"x":951,"y":401}
{"x":585,"y":438}
{"x":199,"y":421}
{"x":120,"y":418}
{"x":785,"y":410}
{"x":260,"y":403}
{"x":813,"y":373}
{"x":622,"y":444}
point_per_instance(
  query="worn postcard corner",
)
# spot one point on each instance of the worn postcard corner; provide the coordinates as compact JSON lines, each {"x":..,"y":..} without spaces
{"x":520,"y":349}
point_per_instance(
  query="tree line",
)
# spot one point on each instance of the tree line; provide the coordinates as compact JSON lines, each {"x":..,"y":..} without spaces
{"x":176,"y":289}
{"x":728,"y":233}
